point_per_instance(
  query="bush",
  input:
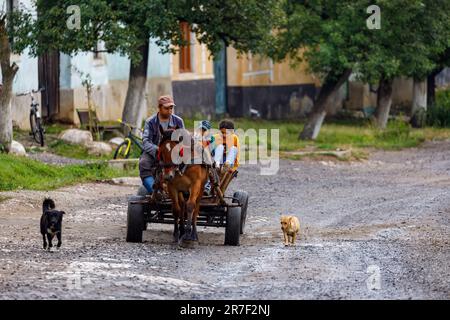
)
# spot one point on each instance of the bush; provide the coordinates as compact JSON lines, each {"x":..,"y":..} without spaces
{"x":396,"y":130}
{"x":419,"y":118}
{"x":438,"y":115}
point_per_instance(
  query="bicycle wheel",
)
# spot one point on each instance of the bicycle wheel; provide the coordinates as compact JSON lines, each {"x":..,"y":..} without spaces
{"x":33,"y":124}
{"x":40,"y":132}
{"x":123,"y":150}
{"x":37,"y":130}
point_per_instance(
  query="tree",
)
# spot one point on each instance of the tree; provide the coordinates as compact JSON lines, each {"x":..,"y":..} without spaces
{"x":126,"y":26}
{"x":442,"y":61}
{"x":15,"y":26}
{"x":412,"y":33}
{"x":433,"y":32}
{"x":328,"y":36}
{"x":332,"y":37}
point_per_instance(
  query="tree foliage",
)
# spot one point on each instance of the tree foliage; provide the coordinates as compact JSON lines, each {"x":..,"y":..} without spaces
{"x":15,"y":28}
{"x":332,"y":37}
{"x":125,"y":25}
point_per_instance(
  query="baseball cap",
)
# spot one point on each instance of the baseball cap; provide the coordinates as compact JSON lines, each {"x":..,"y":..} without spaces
{"x":166,"y":101}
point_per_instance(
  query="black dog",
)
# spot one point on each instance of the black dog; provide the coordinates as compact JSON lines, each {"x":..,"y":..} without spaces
{"x":51,"y":223}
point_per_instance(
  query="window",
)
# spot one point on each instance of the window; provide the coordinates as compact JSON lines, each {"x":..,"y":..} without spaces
{"x":185,"y":51}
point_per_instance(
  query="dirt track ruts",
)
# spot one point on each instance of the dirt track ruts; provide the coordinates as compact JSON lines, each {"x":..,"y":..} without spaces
{"x":389,"y":214}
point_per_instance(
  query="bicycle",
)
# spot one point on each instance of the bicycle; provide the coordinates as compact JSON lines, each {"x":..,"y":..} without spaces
{"x":123,"y":149}
{"x":36,"y":125}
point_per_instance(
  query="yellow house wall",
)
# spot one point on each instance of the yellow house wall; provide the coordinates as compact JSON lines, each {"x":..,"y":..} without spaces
{"x":242,"y":71}
{"x":248,"y":70}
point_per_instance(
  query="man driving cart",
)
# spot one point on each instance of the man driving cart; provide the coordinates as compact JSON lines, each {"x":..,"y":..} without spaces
{"x":151,"y":138}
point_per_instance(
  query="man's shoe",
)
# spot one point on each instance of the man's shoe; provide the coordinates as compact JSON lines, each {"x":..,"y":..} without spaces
{"x":207,"y":189}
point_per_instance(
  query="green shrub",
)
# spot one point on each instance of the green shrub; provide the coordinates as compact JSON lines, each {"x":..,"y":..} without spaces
{"x":438,"y":115}
{"x":396,"y":130}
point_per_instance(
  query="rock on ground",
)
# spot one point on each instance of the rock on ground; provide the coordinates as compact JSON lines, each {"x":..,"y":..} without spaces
{"x":17,"y":149}
{"x":99,"y":148}
{"x":76,"y":136}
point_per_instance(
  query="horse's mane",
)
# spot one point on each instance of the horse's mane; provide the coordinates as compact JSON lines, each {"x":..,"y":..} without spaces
{"x":167,"y":135}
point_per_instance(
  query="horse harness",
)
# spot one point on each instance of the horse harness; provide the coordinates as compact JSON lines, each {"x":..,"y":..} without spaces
{"x":182,"y":167}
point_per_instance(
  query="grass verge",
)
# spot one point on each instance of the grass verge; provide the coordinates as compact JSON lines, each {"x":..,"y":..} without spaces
{"x":75,"y":151}
{"x":23,"y":173}
{"x":343,"y":134}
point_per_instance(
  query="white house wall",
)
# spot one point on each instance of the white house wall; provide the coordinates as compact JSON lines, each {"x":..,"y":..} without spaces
{"x":110,"y":80}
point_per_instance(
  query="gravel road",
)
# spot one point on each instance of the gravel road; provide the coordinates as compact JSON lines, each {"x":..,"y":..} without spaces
{"x":377,"y":229}
{"x":54,"y":159}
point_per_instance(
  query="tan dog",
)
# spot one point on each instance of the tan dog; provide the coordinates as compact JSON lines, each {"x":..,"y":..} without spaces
{"x":290,"y":226}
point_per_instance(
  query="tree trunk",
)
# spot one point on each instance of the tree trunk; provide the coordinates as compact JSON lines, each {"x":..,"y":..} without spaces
{"x":384,"y":102}
{"x":134,"y":109}
{"x":315,"y":119}
{"x":419,"y":104}
{"x":8,"y":73}
{"x":419,"y":96}
{"x":431,"y":87}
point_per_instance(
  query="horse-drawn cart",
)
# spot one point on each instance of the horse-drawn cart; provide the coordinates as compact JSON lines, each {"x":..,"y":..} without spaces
{"x":216,"y":210}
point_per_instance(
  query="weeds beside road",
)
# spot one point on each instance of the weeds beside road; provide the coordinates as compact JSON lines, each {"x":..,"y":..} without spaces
{"x":358,"y":136}
{"x":24,"y":173}
{"x":343,"y":134}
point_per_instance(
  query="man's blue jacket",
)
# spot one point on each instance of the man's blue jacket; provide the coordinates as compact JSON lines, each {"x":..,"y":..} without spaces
{"x":152,"y":136}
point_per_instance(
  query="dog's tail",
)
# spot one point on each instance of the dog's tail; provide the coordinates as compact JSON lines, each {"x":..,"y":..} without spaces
{"x":48,"y":204}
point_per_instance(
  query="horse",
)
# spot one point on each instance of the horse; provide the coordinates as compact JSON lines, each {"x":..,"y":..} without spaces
{"x":192,"y":180}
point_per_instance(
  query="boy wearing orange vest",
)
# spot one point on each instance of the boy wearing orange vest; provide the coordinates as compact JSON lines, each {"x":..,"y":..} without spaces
{"x":226,"y":145}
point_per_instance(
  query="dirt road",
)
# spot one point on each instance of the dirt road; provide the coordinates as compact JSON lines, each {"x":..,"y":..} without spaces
{"x":378,"y":229}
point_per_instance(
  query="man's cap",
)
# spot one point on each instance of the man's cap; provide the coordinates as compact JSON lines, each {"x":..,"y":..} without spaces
{"x":166,"y":101}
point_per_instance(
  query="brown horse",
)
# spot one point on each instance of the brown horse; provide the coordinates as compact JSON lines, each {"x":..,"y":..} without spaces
{"x":192,"y":180}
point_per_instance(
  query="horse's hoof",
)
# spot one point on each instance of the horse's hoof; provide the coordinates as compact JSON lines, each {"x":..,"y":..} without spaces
{"x":188,"y":244}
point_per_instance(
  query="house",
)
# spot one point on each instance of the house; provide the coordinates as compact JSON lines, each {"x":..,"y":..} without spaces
{"x":247,"y":82}
{"x":233,"y":84}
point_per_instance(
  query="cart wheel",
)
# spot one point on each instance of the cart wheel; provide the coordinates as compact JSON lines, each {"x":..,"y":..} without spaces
{"x":241,"y":197}
{"x":233,"y":226}
{"x":142,"y":191}
{"x":135,"y":221}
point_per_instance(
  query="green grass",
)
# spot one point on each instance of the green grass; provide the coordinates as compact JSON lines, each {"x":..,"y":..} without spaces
{"x":24,"y":173}
{"x":56,"y":128}
{"x":343,"y":134}
{"x":438,"y":115}
{"x":75,"y":151}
